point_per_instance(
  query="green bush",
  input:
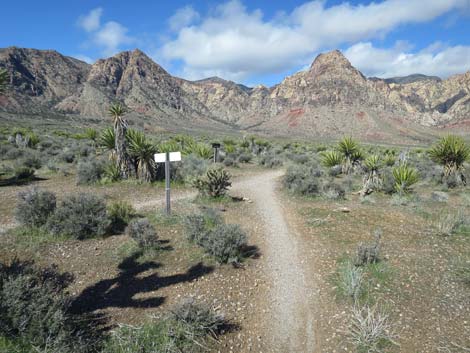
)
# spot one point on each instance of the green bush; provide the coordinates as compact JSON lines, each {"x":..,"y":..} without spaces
{"x":302,"y":180}
{"x":198,"y":224}
{"x":191,"y":167}
{"x":34,"y":207}
{"x":225,"y":242}
{"x":35,"y":311}
{"x":80,"y":216}
{"x":143,"y":233}
{"x":333,"y":191}
{"x":185,"y":329}
{"x":89,"y":172}
{"x":120,"y":214}
{"x":245,"y":158}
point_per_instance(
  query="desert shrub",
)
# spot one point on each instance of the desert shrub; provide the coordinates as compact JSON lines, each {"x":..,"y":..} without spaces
{"x":198,"y":224}
{"x":404,"y":177}
{"x":335,"y":171}
{"x":203,"y":151}
{"x":22,"y":172}
{"x":369,"y":253}
{"x":13,"y":153}
{"x":214,"y":184}
{"x":34,"y":207}
{"x":270,"y":160}
{"x":370,"y":330}
{"x":225,"y":242}
{"x":229,"y":162}
{"x":439,"y":196}
{"x":85,"y":151}
{"x":67,"y":157}
{"x":302,"y":180}
{"x":191,"y":167}
{"x":143,"y":233}
{"x":300,"y":159}
{"x":351,"y":281}
{"x":80,"y":216}
{"x":32,"y":161}
{"x":120,"y":214}
{"x":89,"y":172}
{"x":245,"y":158}
{"x":447,"y":222}
{"x":185,"y":329}
{"x":36,"y":311}
{"x":333,"y":191}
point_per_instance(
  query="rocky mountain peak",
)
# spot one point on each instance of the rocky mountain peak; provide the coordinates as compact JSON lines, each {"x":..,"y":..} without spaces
{"x":332,"y":63}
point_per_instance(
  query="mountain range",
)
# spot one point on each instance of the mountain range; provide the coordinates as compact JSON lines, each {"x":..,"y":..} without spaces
{"x":330,"y":99}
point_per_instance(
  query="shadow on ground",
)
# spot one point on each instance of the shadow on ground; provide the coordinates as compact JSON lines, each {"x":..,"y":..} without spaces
{"x":121,"y":290}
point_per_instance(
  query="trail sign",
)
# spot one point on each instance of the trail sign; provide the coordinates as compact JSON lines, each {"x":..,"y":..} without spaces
{"x":167,"y":158}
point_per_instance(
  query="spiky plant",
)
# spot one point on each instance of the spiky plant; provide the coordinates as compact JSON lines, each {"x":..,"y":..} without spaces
{"x":404,"y":177}
{"x":3,"y":80}
{"x":117,"y":112}
{"x":143,"y":152}
{"x":106,"y":141}
{"x":168,"y":146}
{"x":351,"y":151}
{"x":389,"y":159}
{"x":91,"y":134}
{"x":451,"y":152}
{"x":203,"y":151}
{"x":331,"y":158}
{"x":372,"y":181}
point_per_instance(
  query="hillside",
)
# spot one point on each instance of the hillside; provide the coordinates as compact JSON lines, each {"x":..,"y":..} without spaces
{"x":330,"y":99}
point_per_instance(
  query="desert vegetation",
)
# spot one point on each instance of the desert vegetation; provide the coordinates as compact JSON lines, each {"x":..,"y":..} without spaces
{"x":97,"y":190}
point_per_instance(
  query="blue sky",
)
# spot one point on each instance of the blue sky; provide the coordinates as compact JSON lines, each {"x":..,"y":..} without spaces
{"x":255,"y":41}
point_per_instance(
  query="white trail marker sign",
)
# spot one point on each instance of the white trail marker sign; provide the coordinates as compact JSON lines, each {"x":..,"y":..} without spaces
{"x":167,"y":158}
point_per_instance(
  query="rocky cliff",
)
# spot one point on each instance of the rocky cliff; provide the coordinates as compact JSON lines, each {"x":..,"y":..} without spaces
{"x":331,"y":98}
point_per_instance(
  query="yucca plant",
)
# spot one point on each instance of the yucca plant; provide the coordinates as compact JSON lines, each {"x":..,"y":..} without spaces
{"x":91,"y":134}
{"x":117,"y":112}
{"x":168,"y":146}
{"x":229,"y":148}
{"x":404,"y":177}
{"x":372,"y":181}
{"x":143,"y":152}
{"x":3,"y":80}
{"x":106,"y":141}
{"x":451,"y":152}
{"x":389,"y":160}
{"x":203,"y":151}
{"x":331,"y":158}
{"x":112,"y":172}
{"x":351,"y":151}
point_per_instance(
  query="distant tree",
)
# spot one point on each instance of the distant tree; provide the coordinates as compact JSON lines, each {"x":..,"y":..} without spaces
{"x":123,"y":159}
{"x":3,"y":80}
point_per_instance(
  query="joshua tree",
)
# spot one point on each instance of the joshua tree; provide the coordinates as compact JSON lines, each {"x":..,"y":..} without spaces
{"x":451,"y":152}
{"x":3,"y":80}
{"x":123,"y":160}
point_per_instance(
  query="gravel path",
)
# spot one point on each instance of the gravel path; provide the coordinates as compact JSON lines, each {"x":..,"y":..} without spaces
{"x":289,"y":319}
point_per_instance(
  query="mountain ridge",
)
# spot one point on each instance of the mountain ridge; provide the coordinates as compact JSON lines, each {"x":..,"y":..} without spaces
{"x":331,"y":98}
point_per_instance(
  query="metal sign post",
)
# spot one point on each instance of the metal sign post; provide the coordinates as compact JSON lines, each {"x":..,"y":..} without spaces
{"x":216,"y":147}
{"x":167,"y":158}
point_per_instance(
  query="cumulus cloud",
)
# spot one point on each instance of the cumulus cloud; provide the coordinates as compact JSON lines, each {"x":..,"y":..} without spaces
{"x":236,"y":43}
{"x":182,"y":18}
{"x":109,"y":37}
{"x":437,"y":60}
{"x":91,"y":21}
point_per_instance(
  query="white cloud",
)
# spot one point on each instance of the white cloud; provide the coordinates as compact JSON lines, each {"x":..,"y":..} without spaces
{"x":182,"y":18}
{"x":109,"y":37}
{"x":237,"y":43}
{"x":84,"y":58}
{"x":436,"y":59}
{"x":91,"y":21}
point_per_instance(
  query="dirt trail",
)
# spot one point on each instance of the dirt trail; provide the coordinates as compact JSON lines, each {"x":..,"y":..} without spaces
{"x":289,"y":319}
